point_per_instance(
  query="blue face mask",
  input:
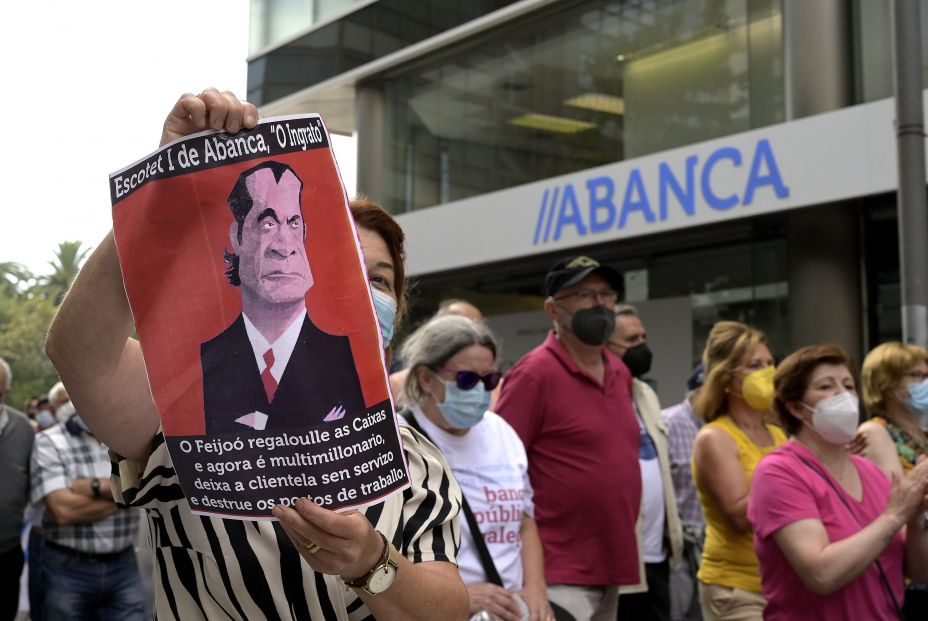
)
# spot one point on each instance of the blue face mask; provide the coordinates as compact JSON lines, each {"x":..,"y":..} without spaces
{"x":45,"y":419}
{"x":464,"y":408}
{"x":918,"y":397}
{"x":385,"y":306}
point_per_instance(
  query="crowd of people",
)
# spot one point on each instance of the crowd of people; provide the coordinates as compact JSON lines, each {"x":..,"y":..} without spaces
{"x":561,"y":490}
{"x":81,"y":546}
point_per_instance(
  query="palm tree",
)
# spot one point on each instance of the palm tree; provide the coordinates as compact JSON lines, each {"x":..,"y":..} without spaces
{"x":12,"y":278}
{"x":68,"y":259}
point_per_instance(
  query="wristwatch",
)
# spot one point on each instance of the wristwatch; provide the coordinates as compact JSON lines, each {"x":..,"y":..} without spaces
{"x":95,"y":487}
{"x":381,"y":577}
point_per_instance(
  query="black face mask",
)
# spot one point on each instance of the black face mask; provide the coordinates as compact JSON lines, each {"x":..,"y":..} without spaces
{"x":638,"y":359}
{"x":593,"y":326}
{"x":74,"y":426}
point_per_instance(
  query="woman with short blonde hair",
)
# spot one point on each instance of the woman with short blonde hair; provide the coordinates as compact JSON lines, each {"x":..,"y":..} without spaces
{"x":894,"y":387}
{"x":894,"y":383}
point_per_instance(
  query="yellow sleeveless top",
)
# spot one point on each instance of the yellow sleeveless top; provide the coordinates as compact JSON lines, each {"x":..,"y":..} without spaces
{"x":728,"y":557}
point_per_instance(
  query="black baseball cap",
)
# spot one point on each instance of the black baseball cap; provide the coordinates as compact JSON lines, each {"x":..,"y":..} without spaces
{"x":571,"y":270}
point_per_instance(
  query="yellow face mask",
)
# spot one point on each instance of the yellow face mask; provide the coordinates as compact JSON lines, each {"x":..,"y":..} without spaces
{"x":757,"y":388}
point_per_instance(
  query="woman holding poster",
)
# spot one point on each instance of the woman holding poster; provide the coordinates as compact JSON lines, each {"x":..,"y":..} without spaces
{"x":394,"y":560}
{"x":452,"y":374}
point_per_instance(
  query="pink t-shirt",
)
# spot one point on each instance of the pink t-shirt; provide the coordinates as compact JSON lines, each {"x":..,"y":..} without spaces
{"x":786,"y":490}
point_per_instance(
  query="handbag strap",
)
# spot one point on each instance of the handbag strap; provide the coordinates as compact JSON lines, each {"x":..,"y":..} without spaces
{"x":485,"y":559}
{"x":847,"y":506}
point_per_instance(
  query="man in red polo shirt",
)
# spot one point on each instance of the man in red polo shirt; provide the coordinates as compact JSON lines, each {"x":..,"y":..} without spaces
{"x":570,"y":401}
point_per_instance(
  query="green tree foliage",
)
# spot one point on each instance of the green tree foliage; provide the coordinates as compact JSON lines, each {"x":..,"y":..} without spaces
{"x":68,"y":259}
{"x":24,"y":323}
{"x":27,"y":306}
{"x":14,"y":278}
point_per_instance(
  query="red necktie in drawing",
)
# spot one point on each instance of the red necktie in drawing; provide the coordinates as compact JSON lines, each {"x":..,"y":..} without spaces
{"x":270,"y":384}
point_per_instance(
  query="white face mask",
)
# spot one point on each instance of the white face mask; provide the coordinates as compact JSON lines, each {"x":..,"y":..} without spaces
{"x":835,"y":418}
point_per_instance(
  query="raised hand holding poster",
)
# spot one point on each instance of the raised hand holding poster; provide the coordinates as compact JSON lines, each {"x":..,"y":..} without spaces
{"x":247,"y":284}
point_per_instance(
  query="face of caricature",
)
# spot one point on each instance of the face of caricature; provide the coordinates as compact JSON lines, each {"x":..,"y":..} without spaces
{"x":273,"y":266}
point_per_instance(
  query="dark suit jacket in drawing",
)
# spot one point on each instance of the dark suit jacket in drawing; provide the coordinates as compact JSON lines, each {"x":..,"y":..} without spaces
{"x":320,"y":375}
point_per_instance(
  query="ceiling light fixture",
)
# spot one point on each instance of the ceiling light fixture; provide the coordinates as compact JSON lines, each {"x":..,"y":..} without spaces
{"x":549,"y":123}
{"x":599,"y":102}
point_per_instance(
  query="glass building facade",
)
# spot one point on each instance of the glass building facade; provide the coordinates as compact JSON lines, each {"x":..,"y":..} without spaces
{"x":455,"y":101}
{"x":306,"y":49}
{"x":874,"y":81}
{"x":873,"y":34}
{"x":575,"y":88}
{"x":275,"y":21}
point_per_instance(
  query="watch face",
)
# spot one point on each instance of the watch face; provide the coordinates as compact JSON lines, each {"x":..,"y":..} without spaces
{"x":382,"y":579}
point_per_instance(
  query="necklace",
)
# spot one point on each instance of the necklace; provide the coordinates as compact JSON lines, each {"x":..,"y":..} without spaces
{"x":907,"y":446}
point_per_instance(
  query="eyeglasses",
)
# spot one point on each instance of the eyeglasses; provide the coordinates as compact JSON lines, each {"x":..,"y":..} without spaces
{"x":919,"y":376}
{"x":590,"y":295}
{"x":466,"y":380}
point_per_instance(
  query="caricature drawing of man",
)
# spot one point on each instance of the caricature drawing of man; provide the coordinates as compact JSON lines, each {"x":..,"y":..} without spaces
{"x":272,"y":368}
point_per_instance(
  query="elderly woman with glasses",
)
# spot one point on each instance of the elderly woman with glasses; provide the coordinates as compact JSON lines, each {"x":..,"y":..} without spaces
{"x":894,"y":383}
{"x":452,"y":372}
{"x":895,"y":392}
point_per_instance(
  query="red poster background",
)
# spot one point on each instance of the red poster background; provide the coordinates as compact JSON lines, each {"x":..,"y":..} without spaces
{"x":170,"y":236}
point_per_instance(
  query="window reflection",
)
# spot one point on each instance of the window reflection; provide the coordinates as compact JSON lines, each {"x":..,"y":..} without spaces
{"x":875,"y":48}
{"x":355,"y":33}
{"x":273,"y":21}
{"x":582,"y":87}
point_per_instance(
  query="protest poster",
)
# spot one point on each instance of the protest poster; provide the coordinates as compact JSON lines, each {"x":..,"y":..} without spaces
{"x":247,"y":285}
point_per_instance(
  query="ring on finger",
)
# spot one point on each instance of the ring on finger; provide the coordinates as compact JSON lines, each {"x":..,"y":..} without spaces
{"x":312,"y":547}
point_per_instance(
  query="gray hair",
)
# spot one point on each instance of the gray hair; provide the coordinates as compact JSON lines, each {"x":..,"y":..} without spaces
{"x":58,"y":395}
{"x":7,"y":373}
{"x":626,"y":310}
{"x":433,"y":344}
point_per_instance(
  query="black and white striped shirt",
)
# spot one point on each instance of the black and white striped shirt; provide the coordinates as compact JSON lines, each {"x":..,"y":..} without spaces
{"x":213,"y":568}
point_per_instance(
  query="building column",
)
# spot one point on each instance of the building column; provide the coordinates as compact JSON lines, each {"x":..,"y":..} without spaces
{"x":369,"y":120}
{"x":823,"y":242}
{"x":818,"y":56}
{"x":824,"y":254}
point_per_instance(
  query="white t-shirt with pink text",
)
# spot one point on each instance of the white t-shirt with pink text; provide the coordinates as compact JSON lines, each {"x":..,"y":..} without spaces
{"x":490,"y":464}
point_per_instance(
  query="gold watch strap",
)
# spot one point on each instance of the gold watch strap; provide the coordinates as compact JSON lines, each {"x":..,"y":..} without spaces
{"x":360,"y":583}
